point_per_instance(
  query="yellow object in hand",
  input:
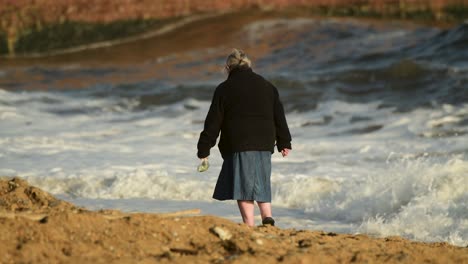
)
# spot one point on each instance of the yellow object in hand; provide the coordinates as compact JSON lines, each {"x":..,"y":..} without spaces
{"x":203,"y":166}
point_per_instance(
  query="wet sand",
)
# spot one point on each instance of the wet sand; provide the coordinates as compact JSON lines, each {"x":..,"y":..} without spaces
{"x":38,"y":228}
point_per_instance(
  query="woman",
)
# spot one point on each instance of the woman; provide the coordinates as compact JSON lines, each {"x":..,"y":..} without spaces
{"x":247,"y":110}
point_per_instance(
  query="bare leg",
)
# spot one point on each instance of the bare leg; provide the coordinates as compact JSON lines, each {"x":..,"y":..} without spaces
{"x":265,"y":209}
{"x":246,"y":209}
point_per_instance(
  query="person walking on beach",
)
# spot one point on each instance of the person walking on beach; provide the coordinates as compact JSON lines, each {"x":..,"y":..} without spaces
{"x":247,"y":110}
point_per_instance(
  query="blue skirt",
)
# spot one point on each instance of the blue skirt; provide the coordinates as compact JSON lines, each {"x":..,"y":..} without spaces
{"x":245,"y":176}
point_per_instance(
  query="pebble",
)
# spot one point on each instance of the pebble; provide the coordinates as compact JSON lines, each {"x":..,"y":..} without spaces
{"x":221,"y":233}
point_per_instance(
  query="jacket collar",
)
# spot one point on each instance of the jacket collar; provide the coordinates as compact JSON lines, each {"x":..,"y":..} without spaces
{"x":239,"y":70}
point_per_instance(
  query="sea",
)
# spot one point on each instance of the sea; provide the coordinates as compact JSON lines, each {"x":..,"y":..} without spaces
{"x":378,"y":112}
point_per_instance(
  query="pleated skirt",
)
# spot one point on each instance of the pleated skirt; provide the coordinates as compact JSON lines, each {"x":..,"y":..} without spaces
{"x":245,"y":176}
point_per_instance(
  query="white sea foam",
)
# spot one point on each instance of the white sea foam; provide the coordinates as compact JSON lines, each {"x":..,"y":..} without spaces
{"x":122,"y":182}
{"x":436,"y":208}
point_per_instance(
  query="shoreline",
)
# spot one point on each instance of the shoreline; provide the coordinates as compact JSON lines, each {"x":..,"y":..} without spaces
{"x":37,"y":227}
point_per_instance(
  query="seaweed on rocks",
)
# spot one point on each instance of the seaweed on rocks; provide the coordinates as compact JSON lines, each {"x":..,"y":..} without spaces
{"x":3,"y":43}
{"x":457,"y":12}
{"x":72,"y":34}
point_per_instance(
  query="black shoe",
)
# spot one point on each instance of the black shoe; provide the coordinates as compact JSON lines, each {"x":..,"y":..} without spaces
{"x":268,"y":221}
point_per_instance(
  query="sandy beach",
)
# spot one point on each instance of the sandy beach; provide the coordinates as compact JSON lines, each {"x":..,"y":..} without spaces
{"x":38,"y":228}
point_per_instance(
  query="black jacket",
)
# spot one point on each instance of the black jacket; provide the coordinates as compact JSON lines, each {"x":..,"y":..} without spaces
{"x":247,"y":110}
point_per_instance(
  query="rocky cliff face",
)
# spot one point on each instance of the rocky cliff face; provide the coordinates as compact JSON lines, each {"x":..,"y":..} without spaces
{"x":20,"y":18}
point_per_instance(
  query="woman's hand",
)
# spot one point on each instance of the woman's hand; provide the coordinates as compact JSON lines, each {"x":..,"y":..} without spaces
{"x":285,"y":152}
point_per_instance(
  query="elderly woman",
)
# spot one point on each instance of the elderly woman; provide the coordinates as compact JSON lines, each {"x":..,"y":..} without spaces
{"x":247,"y":110}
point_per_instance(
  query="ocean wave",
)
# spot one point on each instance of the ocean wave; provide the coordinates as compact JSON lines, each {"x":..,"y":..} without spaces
{"x":448,"y":46}
{"x":116,"y":182}
{"x":420,"y":67}
{"x":437,"y":211}
{"x":416,"y":198}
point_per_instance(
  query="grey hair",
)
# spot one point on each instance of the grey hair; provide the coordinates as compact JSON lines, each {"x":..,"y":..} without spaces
{"x":237,"y":59}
